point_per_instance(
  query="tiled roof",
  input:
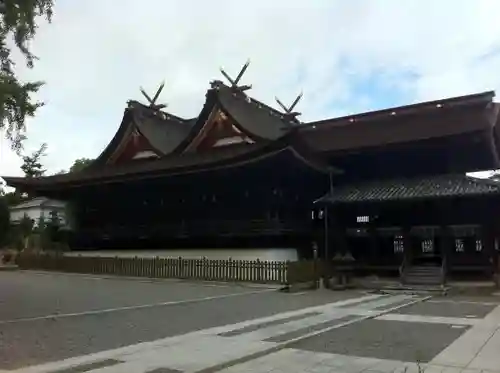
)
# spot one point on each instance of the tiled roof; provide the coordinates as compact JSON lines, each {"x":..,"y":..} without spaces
{"x":411,"y":188}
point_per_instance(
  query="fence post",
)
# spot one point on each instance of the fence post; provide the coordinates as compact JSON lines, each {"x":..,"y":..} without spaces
{"x":259,"y":270}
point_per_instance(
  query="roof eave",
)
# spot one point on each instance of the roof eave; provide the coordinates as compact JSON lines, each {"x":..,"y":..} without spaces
{"x":474,"y":99}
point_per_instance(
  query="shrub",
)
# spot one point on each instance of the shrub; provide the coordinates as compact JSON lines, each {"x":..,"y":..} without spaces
{"x":7,"y":257}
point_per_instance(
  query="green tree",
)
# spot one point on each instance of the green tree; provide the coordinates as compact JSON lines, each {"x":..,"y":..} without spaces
{"x":12,"y":198}
{"x":18,"y":22}
{"x":25,"y":227}
{"x":4,"y":221}
{"x":32,"y":166}
{"x":80,"y":164}
{"x":42,"y":231}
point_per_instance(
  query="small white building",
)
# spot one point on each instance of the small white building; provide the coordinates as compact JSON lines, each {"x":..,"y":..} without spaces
{"x":36,"y":208}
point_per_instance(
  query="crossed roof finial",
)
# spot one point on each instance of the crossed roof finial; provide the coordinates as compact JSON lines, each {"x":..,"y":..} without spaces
{"x":234,"y":83}
{"x":152,"y":101}
{"x":289,"y":110}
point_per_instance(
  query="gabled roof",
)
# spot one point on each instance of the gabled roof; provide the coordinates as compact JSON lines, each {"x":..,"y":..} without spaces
{"x":451,"y":185}
{"x":163,"y":131}
{"x":256,"y":117}
{"x":253,"y":118}
{"x":168,"y":134}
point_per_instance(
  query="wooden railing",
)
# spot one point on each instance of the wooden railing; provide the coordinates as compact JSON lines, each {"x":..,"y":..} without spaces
{"x":256,"y":271}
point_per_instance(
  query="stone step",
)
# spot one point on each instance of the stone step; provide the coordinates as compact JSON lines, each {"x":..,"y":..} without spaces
{"x":423,"y":273}
{"x":422,"y":281}
{"x":418,"y":268}
{"x":418,"y":273}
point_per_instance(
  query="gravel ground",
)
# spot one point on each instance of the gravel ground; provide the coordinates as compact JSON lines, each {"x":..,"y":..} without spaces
{"x":27,"y":295}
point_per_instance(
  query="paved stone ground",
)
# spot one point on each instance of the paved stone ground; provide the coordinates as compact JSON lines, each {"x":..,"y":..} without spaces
{"x":385,"y":339}
{"x":237,"y":329}
{"x":450,"y":309}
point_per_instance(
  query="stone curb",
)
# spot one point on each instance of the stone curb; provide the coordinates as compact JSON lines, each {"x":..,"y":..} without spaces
{"x":9,"y":267}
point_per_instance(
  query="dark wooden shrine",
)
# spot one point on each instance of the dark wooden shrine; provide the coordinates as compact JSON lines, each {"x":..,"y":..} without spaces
{"x":243,"y":174}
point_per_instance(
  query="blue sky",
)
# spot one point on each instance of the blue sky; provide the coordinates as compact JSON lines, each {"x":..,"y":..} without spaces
{"x":347,"y":57}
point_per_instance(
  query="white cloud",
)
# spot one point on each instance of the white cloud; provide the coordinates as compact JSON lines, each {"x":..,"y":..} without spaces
{"x":96,"y":54}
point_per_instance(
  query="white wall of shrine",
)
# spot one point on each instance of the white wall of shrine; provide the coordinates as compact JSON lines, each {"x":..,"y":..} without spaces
{"x":236,"y":254}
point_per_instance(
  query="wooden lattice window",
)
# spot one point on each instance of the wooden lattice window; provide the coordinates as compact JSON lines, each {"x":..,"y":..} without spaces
{"x":362,"y":219}
{"x":479,"y":245}
{"x":427,"y":246}
{"x":399,"y":245}
{"x":459,"y":245}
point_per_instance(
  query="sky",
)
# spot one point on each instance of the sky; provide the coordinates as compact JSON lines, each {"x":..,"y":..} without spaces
{"x":346,"y":56}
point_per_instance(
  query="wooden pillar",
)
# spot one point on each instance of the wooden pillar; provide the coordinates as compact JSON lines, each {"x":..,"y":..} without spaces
{"x":374,"y":244}
{"x":337,"y":234}
{"x":445,"y":246}
{"x":489,"y":212}
{"x":488,"y":245}
{"x":407,"y":244}
{"x":496,"y":252}
{"x":335,"y":239}
{"x":444,"y":210}
{"x":496,"y":243}
{"x":328,"y":218}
